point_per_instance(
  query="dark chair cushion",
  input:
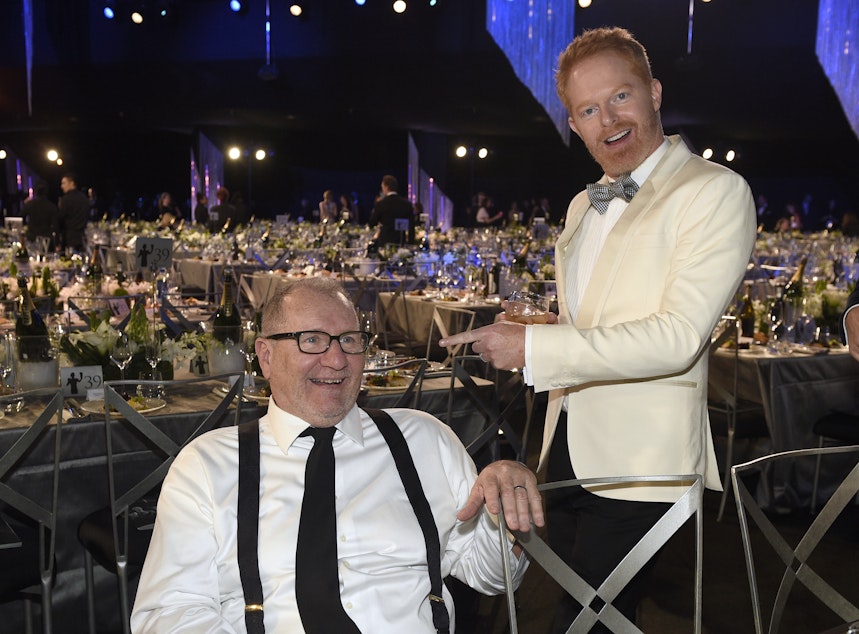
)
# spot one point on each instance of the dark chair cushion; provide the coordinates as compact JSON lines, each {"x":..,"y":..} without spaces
{"x":95,"y":533}
{"x":20,"y":566}
{"x":750,"y":423}
{"x":839,"y":426}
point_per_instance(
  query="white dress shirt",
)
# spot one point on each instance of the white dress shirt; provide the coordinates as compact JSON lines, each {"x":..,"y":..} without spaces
{"x":190,"y":581}
{"x":588,"y":245}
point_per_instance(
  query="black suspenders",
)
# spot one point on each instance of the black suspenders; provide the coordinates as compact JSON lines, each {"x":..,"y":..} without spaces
{"x":248,"y":519}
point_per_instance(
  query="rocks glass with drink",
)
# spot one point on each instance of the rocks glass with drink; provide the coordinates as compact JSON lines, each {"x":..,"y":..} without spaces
{"x":526,"y":307}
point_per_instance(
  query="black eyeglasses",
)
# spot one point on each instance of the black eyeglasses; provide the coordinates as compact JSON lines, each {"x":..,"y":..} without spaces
{"x":318,"y":342}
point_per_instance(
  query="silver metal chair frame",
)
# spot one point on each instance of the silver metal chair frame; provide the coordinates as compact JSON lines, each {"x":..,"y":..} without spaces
{"x":690,"y":503}
{"x":45,"y":517}
{"x":121,"y":501}
{"x":795,"y":560}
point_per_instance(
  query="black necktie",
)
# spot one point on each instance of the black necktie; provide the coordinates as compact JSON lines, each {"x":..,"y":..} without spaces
{"x":601,"y":195}
{"x":317,"y":585}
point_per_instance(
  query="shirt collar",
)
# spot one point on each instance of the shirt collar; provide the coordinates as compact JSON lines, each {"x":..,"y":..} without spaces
{"x":287,"y":427}
{"x":642,"y":172}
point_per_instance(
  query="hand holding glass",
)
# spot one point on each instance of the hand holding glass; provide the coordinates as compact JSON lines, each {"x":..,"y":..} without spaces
{"x":525,"y":307}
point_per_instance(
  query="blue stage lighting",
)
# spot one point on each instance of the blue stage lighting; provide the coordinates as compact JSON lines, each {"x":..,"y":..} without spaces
{"x":235,"y":5}
{"x":360,"y":3}
{"x":108,"y":12}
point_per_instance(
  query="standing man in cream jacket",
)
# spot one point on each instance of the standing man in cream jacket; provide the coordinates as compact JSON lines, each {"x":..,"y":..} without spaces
{"x":642,"y":280}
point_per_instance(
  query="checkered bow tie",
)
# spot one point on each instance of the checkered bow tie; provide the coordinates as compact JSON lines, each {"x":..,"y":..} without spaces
{"x":601,"y":195}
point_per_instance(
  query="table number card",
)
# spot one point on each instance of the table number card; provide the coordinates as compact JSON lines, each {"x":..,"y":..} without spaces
{"x":77,"y":381}
{"x":154,"y":253}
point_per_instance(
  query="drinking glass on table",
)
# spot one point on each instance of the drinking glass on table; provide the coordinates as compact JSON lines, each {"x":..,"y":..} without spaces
{"x":152,"y":347}
{"x":250,"y":332}
{"x":526,"y":307}
{"x":120,"y":354}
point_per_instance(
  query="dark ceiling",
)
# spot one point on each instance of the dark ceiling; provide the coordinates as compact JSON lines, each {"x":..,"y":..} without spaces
{"x":351,"y":80}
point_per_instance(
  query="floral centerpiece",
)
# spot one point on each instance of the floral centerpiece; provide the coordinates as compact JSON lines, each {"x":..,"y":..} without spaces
{"x":92,"y":347}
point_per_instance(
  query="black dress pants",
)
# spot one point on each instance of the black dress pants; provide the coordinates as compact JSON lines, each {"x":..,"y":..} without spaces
{"x":592,"y":534}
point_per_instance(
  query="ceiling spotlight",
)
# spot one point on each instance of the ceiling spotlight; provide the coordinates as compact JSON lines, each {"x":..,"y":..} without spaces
{"x":707,"y":153}
{"x":295,"y":9}
{"x":236,"y":5}
{"x":260,"y":155}
{"x":2,"y":154}
{"x":399,"y":6}
{"x":433,"y":3}
{"x":461,"y":151}
{"x":53,"y":155}
{"x":730,"y":155}
{"x":482,"y":153}
{"x":108,"y":11}
{"x":234,"y":153}
{"x":584,"y":4}
{"x":59,"y":161}
{"x":360,"y":3}
{"x":137,"y":17}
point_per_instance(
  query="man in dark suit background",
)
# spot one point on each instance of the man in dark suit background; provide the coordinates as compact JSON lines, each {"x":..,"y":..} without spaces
{"x":393,"y":214}
{"x":74,"y":213}
{"x":41,"y":214}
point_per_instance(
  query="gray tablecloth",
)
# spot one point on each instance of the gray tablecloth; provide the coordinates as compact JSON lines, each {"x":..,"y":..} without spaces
{"x":795,"y":391}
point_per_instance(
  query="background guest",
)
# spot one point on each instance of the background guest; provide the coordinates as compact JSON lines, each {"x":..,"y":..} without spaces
{"x":41,"y":215}
{"x":74,"y":213}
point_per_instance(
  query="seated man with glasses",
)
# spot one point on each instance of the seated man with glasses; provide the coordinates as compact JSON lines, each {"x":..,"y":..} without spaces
{"x":321,"y":516}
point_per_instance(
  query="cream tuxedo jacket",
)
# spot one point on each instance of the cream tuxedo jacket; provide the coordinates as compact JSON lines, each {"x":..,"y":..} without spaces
{"x":633,"y":366}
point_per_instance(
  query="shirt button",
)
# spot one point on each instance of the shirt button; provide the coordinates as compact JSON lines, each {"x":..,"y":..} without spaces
{"x":346,"y":564}
{"x":343,"y":538}
{"x":349,"y":605}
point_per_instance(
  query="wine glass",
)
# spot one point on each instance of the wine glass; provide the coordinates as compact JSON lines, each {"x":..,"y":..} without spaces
{"x":152,"y":347}
{"x":120,"y":354}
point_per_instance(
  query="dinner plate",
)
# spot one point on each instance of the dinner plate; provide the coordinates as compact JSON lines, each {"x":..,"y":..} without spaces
{"x":386,"y":388}
{"x":149,"y":405}
{"x":251,"y":396}
{"x":435,"y":366}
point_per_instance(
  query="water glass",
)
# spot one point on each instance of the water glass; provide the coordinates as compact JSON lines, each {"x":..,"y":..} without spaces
{"x":155,"y":390}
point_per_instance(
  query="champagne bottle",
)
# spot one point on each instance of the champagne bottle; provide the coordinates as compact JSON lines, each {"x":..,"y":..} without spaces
{"x":747,"y":314}
{"x":227,"y":324}
{"x":226,"y":227}
{"x":519,"y":265}
{"x":30,"y":329}
{"x":94,"y":271}
{"x":793,"y":289}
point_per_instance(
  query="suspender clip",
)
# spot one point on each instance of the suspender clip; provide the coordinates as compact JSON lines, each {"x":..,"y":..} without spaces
{"x":436,"y":598}
{"x":253,"y":607}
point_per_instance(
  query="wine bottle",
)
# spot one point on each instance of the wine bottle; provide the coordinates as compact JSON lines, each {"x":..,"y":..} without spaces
{"x":94,"y":271}
{"x":34,"y":344}
{"x":793,"y":289}
{"x":519,"y":265}
{"x":227,"y":324}
{"x":747,"y":314}
{"x":226,"y":227}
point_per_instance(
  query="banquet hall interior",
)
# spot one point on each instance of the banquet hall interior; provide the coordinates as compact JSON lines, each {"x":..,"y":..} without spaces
{"x":456,"y":99}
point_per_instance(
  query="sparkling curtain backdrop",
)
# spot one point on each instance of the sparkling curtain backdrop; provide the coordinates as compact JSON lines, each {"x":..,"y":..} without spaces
{"x":207,"y":169}
{"x":532,"y":33}
{"x":837,"y":38}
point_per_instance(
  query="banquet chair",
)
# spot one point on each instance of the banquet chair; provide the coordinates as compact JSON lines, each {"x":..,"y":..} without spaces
{"x":796,"y":561}
{"x":731,"y":416}
{"x":497,"y":425}
{"x":28,"y":519}
{"x":597,"y":602}
{"x":411,"y":397}
{"x":117,"y":536}
{"x":448,"y":320}
{"x":839,"y":426}
{"x":390,"y":303}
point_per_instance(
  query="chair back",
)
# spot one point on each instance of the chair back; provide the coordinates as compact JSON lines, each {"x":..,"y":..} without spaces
{"x":795,"y":562}
{"x":448,"y":320}
{"x":497,"y":422}
{"x":392,"y":316}
{"x":41,"y":509}
{"x":121,"y":496}
{"x":689,"y":504}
